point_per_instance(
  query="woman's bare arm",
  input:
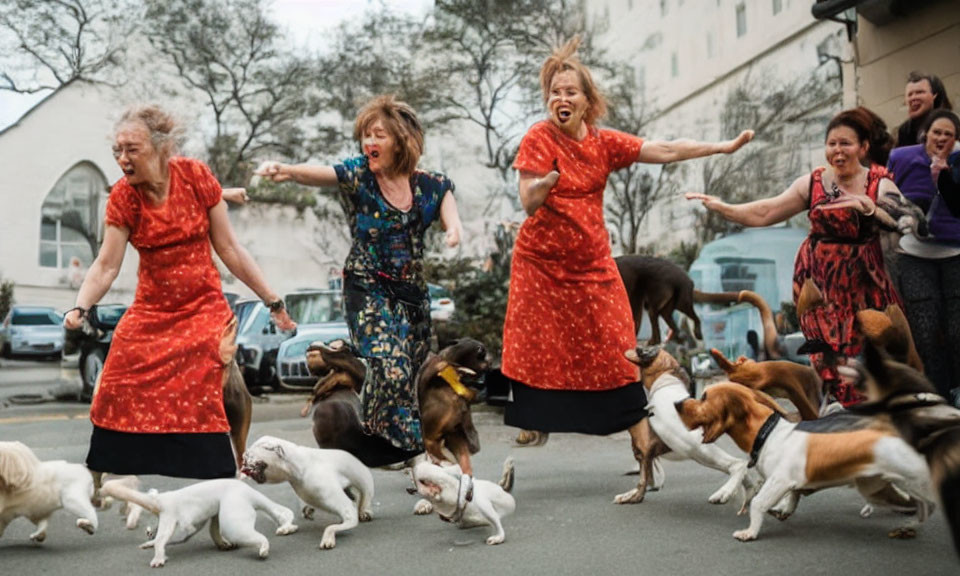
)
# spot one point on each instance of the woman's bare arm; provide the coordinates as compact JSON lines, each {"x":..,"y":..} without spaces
{"x":763,"y":212}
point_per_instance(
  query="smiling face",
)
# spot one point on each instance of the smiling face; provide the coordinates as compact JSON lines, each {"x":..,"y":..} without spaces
{"x":844,"y":150}
{"x":567,"y":104}
{"x":941,"y":137}
{"x":919,"y":97}
{"x":380,"y":147}
{"x":135,"y":154}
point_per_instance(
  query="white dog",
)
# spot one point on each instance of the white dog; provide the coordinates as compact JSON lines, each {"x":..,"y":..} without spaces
{"x":321,"y":478}
{"x":229,"y":504}
{"x":35,"y":489}
{"x":491,"y":501}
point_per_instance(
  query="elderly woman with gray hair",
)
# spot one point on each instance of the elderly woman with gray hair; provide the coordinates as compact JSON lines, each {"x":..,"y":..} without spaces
{"x":158,"y":407}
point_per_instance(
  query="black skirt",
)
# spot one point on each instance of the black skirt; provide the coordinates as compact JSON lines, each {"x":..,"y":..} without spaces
{"x":201,"y":456}
{"x":586,"y":412}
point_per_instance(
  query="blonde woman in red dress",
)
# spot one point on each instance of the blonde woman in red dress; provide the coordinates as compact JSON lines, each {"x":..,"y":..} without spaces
{"x":158,"y":407}
{"x":568,"y":319}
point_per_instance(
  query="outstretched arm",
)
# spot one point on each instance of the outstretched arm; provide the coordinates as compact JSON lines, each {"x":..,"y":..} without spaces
{"x":307,"y":174}
{"x":450,"y":219}
{"x":534,"y":189}
{"x":764,"y":212}
{"x":101,"y":274}
{"x":236,"y":258}
{"x":662,"y":151}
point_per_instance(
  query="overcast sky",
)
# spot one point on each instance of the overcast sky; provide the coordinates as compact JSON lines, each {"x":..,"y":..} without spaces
{"x":306,"y":21}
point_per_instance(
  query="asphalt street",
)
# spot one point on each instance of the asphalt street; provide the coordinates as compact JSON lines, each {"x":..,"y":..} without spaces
{"x":565,"y":521}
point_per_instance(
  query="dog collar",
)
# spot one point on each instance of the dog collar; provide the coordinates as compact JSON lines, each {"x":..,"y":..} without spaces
{"x":761,"y":438}
{"x":452,"y":378}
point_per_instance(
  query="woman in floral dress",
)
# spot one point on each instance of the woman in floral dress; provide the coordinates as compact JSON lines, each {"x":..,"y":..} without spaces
{"x":389,"y":206}
{"x":568,"y":319}
{"x":842,"y":255}
{"x":158,"y":406}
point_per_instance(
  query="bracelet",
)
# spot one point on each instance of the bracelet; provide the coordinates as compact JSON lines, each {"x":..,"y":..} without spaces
{"x":275,"y":306}
{"x":83,"y":311}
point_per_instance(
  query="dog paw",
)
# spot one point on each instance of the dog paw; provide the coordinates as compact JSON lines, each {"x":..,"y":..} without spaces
{"x":780,"y":515}
{"x":158,"y":562}
{"x":866,"y":511}
{"x":287,"y":529}
{"x":365,"y":516}
{"x":495,"y":539}
{"x":38,"y":537}
{"x":721,"y":496}
{"x":422,"y":507}
{"x":307,"y":512}
{"x":745,"y":535}
{"x":224,"y":544}
{"x":264,"y":551}
{"x":903,"y":533}
{"x":632,"y":497}
{"x":328,"y":542}
{"x":86,"y":525}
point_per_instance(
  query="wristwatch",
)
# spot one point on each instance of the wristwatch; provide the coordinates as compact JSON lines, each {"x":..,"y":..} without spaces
{"x":275,"y":306}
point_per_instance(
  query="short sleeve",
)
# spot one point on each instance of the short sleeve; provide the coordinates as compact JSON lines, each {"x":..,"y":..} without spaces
{"x":434,"y":187}
{"x":537,"y":153}
{"x":622,"y":149}
{"x":348,"y":174}
{"x":205,"y":184}
{"x":122,"y":209}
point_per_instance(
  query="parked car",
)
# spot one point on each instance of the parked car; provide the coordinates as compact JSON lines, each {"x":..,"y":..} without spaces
{"x":441,"y":303}
{"x":319,"y":315}
{"x":257,"y":343}
{"x":92,"y":347}
{"x":31,"y":331}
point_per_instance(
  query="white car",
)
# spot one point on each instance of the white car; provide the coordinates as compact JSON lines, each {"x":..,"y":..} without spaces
{"x":441,"y":303}
{"x":31,"y":330}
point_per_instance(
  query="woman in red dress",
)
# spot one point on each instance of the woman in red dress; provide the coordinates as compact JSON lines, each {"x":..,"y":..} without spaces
{"x":568,"y":320}
{"x":842,"y":255}
{"x":158,"y":407}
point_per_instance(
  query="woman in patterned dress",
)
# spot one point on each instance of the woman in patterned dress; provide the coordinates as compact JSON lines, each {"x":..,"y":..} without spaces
{"x":568,"y":319}
{"x":158,"y":407}
{"x":842,"y":254}
{"x":389,"y":205}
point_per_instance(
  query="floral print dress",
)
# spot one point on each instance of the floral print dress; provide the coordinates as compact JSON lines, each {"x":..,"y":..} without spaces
{"x":385,"y":295}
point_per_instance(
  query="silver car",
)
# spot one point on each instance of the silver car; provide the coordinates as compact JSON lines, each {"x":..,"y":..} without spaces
{"x":32,"y":330}
{"x":320,"y":317}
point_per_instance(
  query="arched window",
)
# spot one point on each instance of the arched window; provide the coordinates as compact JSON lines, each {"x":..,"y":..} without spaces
{"x":70,"y":218}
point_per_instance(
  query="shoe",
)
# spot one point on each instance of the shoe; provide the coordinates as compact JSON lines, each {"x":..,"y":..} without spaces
{"x":532,"y":438}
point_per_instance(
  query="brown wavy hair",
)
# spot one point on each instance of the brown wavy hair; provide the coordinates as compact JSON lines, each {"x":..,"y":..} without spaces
{"x":565,"y":58}
{"x":400,"y":120}
{"x":870,"y":128}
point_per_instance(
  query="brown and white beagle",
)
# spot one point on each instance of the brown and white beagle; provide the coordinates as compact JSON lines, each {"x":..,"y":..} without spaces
{"x":793,"y":460}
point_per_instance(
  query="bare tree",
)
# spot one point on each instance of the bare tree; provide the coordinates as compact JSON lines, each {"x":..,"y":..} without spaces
{"x":48,"y":43}
{"x":259,"y":94}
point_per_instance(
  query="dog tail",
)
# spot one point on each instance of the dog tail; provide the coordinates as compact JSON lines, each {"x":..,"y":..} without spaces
{"x":716,"y":297}
{"x":766,"y":319}
{"x":121,"y":490}
{"x":506,"y":481}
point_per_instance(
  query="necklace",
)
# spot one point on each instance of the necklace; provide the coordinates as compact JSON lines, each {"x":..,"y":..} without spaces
{"x":835,"y":192}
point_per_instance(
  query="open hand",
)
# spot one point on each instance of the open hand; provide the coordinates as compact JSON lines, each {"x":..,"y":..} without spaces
{"x":273,"y":171}
{"x":283,"y":320}
{"x":709,"y":202}
{"x":731,"y":146}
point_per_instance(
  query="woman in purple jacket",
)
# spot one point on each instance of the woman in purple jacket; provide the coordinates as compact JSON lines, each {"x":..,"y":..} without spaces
{"x":929,"y":269}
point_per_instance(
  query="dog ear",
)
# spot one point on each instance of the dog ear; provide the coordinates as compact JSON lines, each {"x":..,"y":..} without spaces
{"x":17,"y":466}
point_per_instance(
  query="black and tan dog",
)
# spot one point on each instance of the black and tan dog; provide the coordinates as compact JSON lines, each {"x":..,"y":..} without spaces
{"x":447,"y":384}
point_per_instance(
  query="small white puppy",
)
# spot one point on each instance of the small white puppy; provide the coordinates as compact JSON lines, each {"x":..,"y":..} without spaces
{"x":229,"y":504}
{"x":491,"y":501}
{"x":321,"y":478}
{"x":35,"y":489}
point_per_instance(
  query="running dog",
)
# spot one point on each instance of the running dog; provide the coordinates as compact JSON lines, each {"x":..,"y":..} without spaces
{"x":490,"y":504}
{"x":325,"y":479}
{"x":662,"y":433}
{"x":35,"y":490}
{"x":793,"y":460}
{"x":230,"y":505}
{"x":798,"y":383}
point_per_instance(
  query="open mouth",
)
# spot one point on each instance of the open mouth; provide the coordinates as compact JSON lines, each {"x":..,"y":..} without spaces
{"x":255,"y":470}
{"x":564,"y":114}
{"x":128,"y":171}
{"x":374,"y":154}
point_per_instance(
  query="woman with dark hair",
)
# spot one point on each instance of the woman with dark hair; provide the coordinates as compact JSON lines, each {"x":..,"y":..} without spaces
{"x":929,"y":268}
{"x":923,"y":94}
{"x":389,"y":205}
{"x":841,"y":257}
{"x":568,"y":319}
{"x":158,"y":405}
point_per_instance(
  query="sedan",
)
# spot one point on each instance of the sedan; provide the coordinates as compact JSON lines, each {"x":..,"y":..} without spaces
{"x":31,"y":330}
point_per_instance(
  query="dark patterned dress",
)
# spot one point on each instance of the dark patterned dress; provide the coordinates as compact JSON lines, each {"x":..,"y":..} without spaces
{"x":386,"y":298}
{"x":842,"y":256}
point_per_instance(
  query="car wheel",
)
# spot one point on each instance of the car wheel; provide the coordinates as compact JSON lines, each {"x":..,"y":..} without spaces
{"x":92,"y":367}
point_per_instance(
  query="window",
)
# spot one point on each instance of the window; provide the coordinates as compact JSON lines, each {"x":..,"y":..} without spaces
{"x":674,"y":65}
{"x":741,"y":20}
{"x":70,"y":218}
{"x":777,"y":6}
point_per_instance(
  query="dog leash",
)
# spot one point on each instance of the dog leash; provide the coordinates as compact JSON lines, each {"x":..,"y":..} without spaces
{"x":761,"y":438}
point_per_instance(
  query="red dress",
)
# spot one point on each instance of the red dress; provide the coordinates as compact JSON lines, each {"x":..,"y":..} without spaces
{"x":568,"y":319}
{"x":842,"y":256}
{"x":164,"y":373}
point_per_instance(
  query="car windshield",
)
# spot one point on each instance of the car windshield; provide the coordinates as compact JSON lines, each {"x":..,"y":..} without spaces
{"x":35,"y":318}
{"x":110,"y":314}
{"x":314,"y":307}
